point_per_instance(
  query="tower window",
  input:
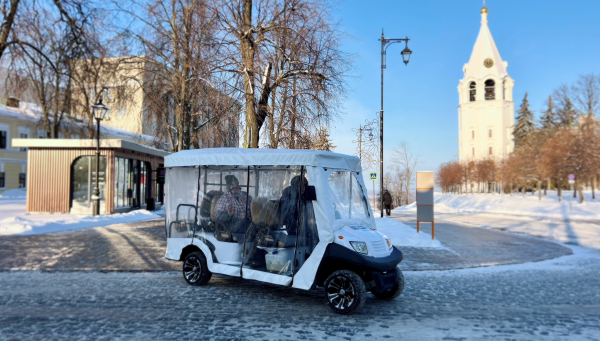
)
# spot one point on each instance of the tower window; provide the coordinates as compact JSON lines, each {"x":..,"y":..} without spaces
{"x":490,"y":90}
{"x":472,"y":91}
{"x":473,"y":151}
{"x":491,"y":151}
{"x":490,"y":133}
{"x":472,"y":134}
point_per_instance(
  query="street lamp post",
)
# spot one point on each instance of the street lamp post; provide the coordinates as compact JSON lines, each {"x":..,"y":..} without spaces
{"x":385,"y":42}
{"x":100,"y":111}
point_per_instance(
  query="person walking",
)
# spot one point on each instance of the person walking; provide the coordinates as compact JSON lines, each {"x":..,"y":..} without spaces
{"x":387,"y":202}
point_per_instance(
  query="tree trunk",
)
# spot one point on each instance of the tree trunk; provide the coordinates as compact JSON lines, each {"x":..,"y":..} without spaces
{"x":581,"y":197}
{"x":7,"y":25}
{"x":248,"y":53}
{"x":293,"y":118}
{"x":540,"y":189}
{"x":594,"y":183}
{"x":559,"y":188}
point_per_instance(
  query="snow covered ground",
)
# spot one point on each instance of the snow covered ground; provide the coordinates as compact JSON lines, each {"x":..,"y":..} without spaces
{"x":15,"y":220}
{"x":517,"y":205}
{"x":404,"y":235}
{"x":547,"y":219}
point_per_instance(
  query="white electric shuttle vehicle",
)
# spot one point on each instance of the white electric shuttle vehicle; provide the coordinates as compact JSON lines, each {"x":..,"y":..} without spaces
{"x":297,"y":218}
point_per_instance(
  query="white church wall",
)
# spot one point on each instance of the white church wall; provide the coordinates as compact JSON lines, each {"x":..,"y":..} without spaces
{"x":481,"y":115}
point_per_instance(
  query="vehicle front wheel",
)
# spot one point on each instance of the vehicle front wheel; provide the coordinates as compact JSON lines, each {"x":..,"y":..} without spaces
{"x":345,"y":291}
{"x":195,"y":269}
{"x":395,"y":291}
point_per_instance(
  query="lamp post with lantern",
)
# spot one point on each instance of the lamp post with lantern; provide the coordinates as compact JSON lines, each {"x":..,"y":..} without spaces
{"x":385,"y":42}
{"x":100,"y":111}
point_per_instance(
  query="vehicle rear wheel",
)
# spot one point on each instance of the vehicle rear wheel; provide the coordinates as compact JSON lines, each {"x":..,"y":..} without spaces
{"x":394,"y":292}
{"x":195,"y":269}
{"x":345,"y":291}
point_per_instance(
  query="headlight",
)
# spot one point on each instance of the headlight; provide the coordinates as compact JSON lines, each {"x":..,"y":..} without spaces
{"x":360,"y":247}
{"x":389,"y":243}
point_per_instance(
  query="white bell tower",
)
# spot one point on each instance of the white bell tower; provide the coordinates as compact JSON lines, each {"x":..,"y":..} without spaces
{"x":486,"y":111}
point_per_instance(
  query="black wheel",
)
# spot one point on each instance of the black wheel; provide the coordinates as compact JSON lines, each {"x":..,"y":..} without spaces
{"x":195,"y":270}
{"x":345,"y":291}
{"x":394,"y":292}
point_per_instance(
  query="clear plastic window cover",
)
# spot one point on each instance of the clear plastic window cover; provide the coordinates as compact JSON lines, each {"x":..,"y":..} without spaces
{"x":250,"y":216}
{"x":348,"y":197}
{"x":181,"y":197}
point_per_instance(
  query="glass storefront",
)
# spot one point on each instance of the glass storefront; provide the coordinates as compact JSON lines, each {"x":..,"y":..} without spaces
{"x":132,"y":179}
{"x":83,"y":183}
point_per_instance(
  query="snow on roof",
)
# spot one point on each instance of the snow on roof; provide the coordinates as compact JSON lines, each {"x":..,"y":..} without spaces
{"x":259,"y":157}
{"x":28,"y":112}
{"x":87,"y":143}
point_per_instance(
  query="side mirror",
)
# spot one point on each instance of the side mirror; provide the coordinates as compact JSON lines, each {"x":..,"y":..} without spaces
{"x":310,"y":193}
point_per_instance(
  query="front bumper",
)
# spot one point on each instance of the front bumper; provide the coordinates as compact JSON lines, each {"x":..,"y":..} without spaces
{"x":381,"y":264}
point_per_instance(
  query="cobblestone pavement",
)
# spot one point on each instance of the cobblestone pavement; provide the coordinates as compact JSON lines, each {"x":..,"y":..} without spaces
{"x":468,"y":247}
{"x":141,"y":247}
{"x":552,"y":300}
{"x":136,"y":246}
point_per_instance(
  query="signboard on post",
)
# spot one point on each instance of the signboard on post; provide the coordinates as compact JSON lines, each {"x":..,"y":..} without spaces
{"x":571,"y":179}
{"x":425,"y":184}
{"x":160,"y":175}
{"x":373,"y":176}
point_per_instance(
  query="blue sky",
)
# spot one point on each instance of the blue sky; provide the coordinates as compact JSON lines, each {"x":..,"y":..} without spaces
{"x":546,"y":43}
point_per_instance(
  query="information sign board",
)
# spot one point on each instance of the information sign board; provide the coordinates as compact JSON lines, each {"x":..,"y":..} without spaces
{"x":425,"y":184}
{"x":160,"y":175}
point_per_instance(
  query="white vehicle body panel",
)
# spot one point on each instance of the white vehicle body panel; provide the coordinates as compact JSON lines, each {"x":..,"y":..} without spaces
{"x":318,"y":165}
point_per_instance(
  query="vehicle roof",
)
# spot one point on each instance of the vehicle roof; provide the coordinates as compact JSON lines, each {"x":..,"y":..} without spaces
{"x":259,"y":157}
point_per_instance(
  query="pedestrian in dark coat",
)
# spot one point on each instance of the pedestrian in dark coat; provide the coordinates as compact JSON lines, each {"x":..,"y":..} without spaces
{"x":387,"y":202}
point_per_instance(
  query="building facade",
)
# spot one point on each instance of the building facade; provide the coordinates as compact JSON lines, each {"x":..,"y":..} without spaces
{"x":486,"y":110}
{"x":62,"y":175}
{"x":26,"y":122}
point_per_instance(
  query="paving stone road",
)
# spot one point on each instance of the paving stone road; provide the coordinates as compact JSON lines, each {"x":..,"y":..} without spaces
{"x":122,"y":247}
{"x":551,"y":300}
{"x":557,"y":299}
{"x":141,"y":247}
{"x":469,"y":246}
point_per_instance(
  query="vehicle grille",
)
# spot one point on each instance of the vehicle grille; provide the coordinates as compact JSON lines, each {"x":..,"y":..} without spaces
{"x":380,"y":248}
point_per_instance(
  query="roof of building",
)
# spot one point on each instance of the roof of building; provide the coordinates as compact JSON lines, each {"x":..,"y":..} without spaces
{"x":87,"y":143}
{"x":32,"y":113}
{"x":259,"y":157}
{"x":485,"y":48}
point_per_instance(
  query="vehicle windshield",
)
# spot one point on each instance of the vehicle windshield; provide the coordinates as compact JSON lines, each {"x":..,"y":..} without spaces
{"x":348,"y":197}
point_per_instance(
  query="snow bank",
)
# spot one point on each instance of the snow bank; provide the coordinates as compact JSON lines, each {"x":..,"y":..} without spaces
{"x":404,"y":235}
{"x":14,"y":193}
{"x":48,"y":223}
{"x":517,"y":205}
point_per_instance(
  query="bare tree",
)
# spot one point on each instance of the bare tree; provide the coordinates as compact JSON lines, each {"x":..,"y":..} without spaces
{"x":193,"y":102}
{"x":408,"y":163}
{"x":283,"y":44}
{"x":47,"y":64}
{"x":72,"y":12}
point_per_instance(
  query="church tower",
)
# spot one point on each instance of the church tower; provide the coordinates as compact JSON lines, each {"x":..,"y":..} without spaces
{"x":486,"y":111}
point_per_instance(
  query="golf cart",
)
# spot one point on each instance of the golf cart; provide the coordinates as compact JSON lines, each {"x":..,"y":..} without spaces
{"x":297,"y":218}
